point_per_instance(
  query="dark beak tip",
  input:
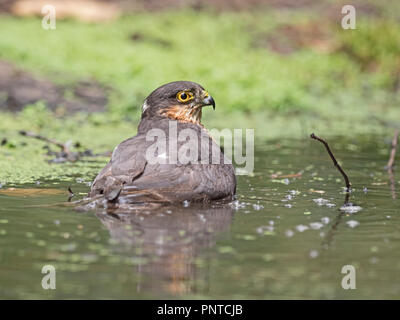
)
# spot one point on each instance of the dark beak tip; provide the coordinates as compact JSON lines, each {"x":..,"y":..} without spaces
{"x":209,"y":101}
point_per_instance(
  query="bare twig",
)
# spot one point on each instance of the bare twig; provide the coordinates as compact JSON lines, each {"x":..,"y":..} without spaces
{"x":66,"y":154}
{"x":63,"y":146}
{"x":336,"y":164}
{"x":71,"y":194}
{"x":390,"y":163}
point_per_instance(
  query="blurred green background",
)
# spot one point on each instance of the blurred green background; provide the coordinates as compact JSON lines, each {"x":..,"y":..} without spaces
{"x":285,"y":68}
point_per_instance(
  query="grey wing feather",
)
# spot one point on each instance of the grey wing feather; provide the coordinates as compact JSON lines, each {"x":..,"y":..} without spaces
{"x":127,"y":163}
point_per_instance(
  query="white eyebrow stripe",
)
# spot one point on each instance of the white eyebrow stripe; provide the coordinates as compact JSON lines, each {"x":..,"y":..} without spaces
{"x":145,"y":106}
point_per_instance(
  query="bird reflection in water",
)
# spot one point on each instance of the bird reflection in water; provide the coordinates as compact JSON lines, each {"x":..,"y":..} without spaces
{"x":170,"y":239}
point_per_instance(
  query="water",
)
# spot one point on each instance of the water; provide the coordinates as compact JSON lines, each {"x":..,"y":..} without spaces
{"x":285,"y":237}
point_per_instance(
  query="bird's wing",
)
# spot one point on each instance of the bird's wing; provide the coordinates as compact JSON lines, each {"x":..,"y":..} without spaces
{"x":172,"y":183}
{"x":129,"y":158}
{"x":131,"y":179}
{"x":127,"y":162}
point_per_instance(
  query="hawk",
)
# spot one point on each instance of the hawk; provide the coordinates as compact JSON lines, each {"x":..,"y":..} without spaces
{"x":139,"y":172}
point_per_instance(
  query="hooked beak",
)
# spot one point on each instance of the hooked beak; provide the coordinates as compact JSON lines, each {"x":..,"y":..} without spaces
{"x":208,"y":100}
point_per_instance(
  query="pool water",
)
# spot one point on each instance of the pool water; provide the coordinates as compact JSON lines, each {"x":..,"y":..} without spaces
{"x":287,"y":236}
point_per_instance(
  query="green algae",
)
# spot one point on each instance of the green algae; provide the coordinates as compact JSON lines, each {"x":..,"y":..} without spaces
{"x":26,"y":161}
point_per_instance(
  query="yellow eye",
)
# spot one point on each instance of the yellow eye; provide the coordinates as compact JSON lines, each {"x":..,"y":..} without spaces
{"x":184,"y":96}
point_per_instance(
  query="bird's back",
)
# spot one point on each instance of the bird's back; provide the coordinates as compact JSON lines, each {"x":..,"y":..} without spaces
{"x":145,"y":169}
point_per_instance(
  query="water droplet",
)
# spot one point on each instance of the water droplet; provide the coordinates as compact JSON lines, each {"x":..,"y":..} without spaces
{"x":314,"y":254}
{"x":350,"y":208}
{"x":316,"y":225}
{"x":301,"y":228}
{"x":325,"y":220}
{"x":289,"y":233}
{"x":352,"y":223}
{"x":262,"y":229}
{"x":323,"y":202}
{"x":257,"y":207}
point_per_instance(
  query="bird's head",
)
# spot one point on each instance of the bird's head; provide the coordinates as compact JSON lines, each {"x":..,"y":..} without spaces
{"x":180,"y":100}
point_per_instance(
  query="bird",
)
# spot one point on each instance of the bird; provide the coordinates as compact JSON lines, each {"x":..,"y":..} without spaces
{"x":143,"y":169}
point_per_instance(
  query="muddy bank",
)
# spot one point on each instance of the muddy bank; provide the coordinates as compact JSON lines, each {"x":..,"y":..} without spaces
{"x":19,"y":88}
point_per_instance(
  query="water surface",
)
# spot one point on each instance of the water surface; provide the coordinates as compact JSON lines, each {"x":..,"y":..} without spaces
{"x":285,"y":237}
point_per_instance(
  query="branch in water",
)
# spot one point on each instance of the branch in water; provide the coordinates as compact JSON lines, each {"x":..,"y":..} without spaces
{"x":71,"y":194}
{"x":63,"y":147}
{"x":66,"y":154}
{"x":390,"y":163}
{"x":346,"y":178}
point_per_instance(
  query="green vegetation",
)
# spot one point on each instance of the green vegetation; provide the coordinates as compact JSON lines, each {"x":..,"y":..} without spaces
{"x":223,"y":52}
{"x":284,"y":74}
